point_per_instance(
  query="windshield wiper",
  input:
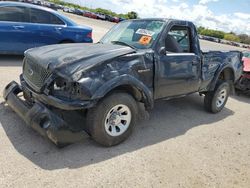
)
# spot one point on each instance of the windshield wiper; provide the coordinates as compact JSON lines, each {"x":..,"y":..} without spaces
{"x":122,"y":43}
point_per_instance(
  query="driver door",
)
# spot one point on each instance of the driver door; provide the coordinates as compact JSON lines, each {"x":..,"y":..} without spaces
{"x":179,"y":68}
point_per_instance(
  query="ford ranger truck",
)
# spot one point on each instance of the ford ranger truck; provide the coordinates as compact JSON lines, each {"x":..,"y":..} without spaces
{"x":137,"y":61}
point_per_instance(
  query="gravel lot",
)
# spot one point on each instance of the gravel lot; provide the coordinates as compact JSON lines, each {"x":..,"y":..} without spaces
{"x":180,"y":145}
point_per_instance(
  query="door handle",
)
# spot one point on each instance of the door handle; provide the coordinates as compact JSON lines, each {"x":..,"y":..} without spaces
{"x":18,"y":27}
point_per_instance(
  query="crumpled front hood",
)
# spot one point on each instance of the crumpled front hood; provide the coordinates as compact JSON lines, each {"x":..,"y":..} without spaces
{"x":67,"y":59}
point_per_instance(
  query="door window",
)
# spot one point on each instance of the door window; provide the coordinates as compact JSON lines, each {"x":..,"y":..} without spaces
{"x":43,"y":17}
{"x":13,"y":14}
{"x":178,"y":40}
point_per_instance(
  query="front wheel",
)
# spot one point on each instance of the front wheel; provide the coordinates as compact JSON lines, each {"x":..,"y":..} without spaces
{"x":112,"y":120}
{"x":215,"y":101}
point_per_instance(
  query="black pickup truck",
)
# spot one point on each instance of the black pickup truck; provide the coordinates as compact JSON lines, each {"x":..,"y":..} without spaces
{"x":136,"y":61}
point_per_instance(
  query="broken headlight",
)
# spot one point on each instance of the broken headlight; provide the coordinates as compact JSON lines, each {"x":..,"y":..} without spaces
{"x":66,"y":90}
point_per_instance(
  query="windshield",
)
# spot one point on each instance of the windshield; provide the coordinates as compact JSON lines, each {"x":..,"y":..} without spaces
{"x":139,"y":34}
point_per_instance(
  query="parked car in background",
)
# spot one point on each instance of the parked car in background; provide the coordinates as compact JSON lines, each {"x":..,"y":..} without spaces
{"x":246,"y":60}
{"x":101,"y":16}
{"x":244,"y":46}
{"x":90,"y":14}
{"x":243,"y":84}
{"x":109,"y":18}
{"x":51,"y":5}
{"x":212,"y":39}
{"x":116,"y":20}
{"x":71,"y":10}
{"x":121,"y":19}
{"x":78,"y":12}
{"x":61,"y":7}
{"x":65,"y":9}
{"x":235,"y":44}
{"x":24,"y":26}
{"x":36,"y":2}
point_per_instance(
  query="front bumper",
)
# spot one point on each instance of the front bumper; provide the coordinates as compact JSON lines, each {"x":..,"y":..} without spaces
{"x":41,"y":118}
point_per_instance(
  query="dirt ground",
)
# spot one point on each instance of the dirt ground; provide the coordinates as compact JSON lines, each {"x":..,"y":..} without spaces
{"x":180,"y":145}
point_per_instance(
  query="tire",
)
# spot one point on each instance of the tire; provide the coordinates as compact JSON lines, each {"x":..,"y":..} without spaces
{"x":105,"y":122}
{"x":215,"y":101}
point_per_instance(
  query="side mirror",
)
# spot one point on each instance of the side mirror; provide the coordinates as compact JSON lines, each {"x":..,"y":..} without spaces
{"x":162,"y":51}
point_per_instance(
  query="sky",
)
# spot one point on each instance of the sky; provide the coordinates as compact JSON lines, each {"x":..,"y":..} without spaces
{"x":225,"y":15}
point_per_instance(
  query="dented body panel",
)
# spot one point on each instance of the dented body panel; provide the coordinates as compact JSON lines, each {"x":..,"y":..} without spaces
{"x":215,"y":62}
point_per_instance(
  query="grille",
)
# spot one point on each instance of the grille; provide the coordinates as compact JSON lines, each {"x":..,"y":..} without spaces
{"x":34,"y":74}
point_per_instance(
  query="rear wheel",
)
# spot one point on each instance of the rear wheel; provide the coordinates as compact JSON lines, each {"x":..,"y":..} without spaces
{"x":215,"y":101}
{"x":112,"y":120}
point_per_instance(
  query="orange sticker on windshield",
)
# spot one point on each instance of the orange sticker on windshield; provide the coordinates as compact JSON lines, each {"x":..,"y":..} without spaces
{"x":145,"y":40}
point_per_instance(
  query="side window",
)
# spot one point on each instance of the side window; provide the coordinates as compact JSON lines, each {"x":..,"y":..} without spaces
{"x":13,"y":14}
{"x":178,"y":40}
{"x":43,"y":17}
{"x":56,"y":20}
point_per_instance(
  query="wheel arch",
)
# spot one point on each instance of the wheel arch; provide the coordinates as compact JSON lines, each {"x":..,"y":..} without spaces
{"x":130,"y":89}
{"x":129,"y":85}
{"x":224,"y":74}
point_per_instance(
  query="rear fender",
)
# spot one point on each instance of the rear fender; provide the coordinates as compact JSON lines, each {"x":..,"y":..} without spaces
{"x":228,"y":75}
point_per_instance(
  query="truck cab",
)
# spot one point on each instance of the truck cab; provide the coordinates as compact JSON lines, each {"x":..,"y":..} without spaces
{"x":179,"y":62}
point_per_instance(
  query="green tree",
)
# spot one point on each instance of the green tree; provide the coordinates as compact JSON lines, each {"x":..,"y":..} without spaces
{"x":244,"y":38}
{"x":231,"y":37}
{"x":200,"y":29}
{"x":211,"y":32}
{"x":132,"y":15}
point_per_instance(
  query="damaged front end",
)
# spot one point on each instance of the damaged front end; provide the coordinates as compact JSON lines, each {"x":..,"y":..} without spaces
{"x":58,"y":89}
{"x":44,"y":98}
{"x":40,"y":117}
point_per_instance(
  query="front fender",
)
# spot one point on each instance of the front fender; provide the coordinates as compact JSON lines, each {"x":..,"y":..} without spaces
{"x":110,"y":85}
